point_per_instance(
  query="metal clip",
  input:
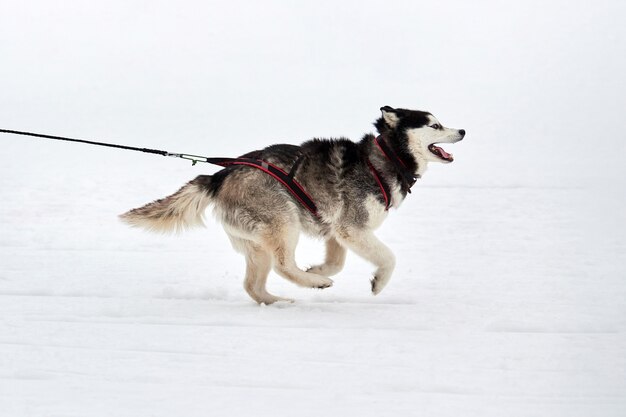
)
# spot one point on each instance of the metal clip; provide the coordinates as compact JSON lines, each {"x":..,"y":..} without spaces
{"x":193,"y":158}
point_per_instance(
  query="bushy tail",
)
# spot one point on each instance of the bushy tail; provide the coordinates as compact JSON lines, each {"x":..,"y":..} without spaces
{"x":179,"y":211}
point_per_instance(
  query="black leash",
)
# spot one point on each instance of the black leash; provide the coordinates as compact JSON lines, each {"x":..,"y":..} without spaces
{"x":193,"y":158}
{"x":280,"y":175}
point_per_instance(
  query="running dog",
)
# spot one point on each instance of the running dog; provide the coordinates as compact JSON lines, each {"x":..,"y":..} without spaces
{"x":351,"y":184}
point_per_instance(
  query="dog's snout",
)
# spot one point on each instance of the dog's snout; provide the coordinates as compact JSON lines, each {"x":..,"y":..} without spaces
{"x":462,"y":132}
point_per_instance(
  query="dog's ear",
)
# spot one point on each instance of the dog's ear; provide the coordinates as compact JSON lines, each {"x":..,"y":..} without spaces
{"x":390,"y":116}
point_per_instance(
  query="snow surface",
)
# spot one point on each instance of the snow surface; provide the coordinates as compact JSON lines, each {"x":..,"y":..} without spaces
{"x":509,"y":294}
{"x":501,"y":304}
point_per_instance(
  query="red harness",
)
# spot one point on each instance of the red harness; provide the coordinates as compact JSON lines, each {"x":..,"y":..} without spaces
{"x":384,"y":188}
{"x":281,"y":176}
{"x":294,"y":187}
{"x":408,"y":179}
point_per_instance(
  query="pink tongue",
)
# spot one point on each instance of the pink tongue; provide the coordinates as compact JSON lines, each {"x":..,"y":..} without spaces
{"x":443,"y":153}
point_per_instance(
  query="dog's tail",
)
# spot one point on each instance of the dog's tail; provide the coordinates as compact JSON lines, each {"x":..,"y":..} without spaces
{"x":177,"y":212}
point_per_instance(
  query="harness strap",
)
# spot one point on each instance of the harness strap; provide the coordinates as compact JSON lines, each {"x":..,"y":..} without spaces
{"x":384,"y":188}
{"x":295,"y":166}
{"x":277,"y":173}
{"x":408,"y":178}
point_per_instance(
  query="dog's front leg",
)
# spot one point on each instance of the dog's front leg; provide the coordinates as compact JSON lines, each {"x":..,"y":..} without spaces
{"x":335,"y":259}
{"x":366,"y":245}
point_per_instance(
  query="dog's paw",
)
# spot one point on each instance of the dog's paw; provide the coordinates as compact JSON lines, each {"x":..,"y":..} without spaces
{"x":382,"y":277}
{"x":269,"y":299}
{"x":273,"y":299}
{"x":321,"y":282}
{"x":376,"y":287}
{"x":378,"y":282}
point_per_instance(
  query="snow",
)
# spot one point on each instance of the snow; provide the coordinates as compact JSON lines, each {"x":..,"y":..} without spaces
{"x":502,"y":303}
{"x":508,"y":295}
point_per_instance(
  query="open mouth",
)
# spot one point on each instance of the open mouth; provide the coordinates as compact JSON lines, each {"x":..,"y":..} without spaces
{"x":440,"y":153}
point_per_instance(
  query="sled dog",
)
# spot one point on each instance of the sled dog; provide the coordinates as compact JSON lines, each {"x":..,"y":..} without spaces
{"x":352,"y":185}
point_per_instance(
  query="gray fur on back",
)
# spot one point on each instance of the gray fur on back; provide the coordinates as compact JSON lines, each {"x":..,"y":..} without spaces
{"x":334,"y":172}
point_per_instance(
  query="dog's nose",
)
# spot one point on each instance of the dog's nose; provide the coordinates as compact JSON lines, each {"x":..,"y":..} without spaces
{"x":462,"y":132}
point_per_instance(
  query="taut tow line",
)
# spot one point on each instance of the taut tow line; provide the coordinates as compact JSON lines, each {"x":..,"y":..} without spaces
{"x":285,"y":178}
{"x":193,"y":158}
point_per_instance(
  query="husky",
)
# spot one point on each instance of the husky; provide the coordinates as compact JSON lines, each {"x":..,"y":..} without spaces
{"x":352,"y":184}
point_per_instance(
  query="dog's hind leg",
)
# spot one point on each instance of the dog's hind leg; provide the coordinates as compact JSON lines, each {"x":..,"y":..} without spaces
{"x":258,"y":266}
{"x":334,"y":261}
{"x":282,"y":244}
{"x":366,"y":245}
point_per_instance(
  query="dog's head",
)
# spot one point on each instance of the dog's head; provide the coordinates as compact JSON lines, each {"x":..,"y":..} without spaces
{"x":418,"y":132}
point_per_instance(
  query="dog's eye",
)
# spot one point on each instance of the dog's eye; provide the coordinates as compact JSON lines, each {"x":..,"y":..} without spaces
{"x":435,"y":126}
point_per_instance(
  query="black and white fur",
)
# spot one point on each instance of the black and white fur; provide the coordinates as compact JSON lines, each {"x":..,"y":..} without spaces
{"x":264,"y":221}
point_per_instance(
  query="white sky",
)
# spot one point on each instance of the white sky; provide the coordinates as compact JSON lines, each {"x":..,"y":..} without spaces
{"x":539,"y":86}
